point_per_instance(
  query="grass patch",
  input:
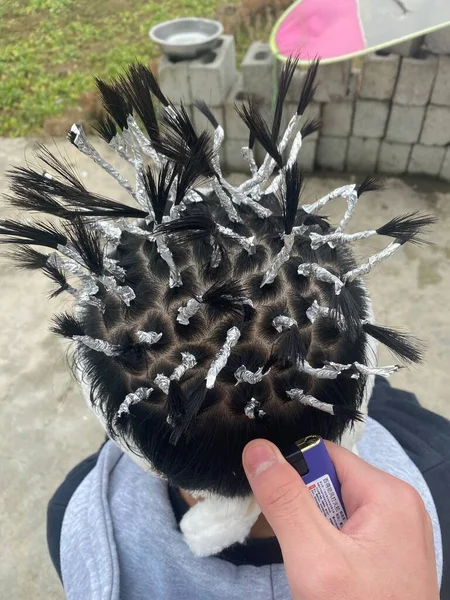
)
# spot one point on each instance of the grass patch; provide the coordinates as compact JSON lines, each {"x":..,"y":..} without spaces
{"x":51,"y":49}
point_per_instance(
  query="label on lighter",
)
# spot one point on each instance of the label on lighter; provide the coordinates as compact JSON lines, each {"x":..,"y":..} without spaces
{"x":326,"y":498}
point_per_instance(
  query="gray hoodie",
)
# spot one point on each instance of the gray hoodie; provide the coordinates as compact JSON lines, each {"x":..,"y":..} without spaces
{"x":120,"y":539}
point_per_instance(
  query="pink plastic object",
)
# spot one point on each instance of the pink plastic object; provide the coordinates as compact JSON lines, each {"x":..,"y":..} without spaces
{"x":323,"y":28}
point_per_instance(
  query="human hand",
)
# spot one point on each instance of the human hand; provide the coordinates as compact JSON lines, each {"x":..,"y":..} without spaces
{"x":385,"y":550}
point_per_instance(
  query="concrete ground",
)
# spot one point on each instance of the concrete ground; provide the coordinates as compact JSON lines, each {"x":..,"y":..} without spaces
{"x":45,"y":427}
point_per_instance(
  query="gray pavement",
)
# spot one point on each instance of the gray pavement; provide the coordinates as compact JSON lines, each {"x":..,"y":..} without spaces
{"x":45,"y":428}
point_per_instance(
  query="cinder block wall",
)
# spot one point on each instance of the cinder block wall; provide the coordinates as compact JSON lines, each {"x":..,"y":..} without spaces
{"x":391,"y":115}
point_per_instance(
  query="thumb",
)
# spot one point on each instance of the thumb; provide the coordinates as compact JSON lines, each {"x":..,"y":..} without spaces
{"x":284,"y":499}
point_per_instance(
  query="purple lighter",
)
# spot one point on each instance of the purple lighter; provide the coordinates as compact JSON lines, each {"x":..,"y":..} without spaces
{"x":310,"y":458}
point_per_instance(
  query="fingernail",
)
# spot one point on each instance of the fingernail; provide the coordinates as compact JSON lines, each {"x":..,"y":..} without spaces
{"x":259,"y":456}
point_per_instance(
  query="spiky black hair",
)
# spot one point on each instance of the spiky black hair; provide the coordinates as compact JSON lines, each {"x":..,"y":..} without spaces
{"x":198,"y":279}
{"x":406,"y":228}
{"x":250,"y":113}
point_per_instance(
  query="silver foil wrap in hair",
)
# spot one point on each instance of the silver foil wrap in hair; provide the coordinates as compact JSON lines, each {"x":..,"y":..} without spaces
{"x":246,"y":243}
{"x":98,"y":345}
{"x":328,"y":371}
{"x":306,"y":400}
{"x":243,"y":375}
{"x":300,"y":229}
{"x":216,"y":255}
{"x":84,"y":146}
{"x":315,"y":310}
{"x":382,"y":371}
{"x":67,"y":265}
{"x":283,"y":256}
{"x":118,"y":144}
{"x":266,"y":169}
{"x":125,"y":293}
{"x":315,"y":270}
{"x":69,"y":251}
{"x":144,"y":143}
{"x":108,"y":230}
{"x":188,"y":361}
{"x":166,"y":255}
{"x":282,"y":322}
{"x":187,"y":312}
{"x":163,"y":382}
{"x":252,"y":410}
{"x":113,"y":268}
{"x":247,"y":153}
{"x":280,"y":179}
{"x":352,"y":201}
{"x":335,"y":239}
{"x":85,"y":298}
{"x":148,"y":337}
{"x":140,"y":190}
{"x":345,"y":191}
{"x":134,"y":398}
{"x":373,"y":260}
{"x":221,"y":358}
{"x":225,"y":202}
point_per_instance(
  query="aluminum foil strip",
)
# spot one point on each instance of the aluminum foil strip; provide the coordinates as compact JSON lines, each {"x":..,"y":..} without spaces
{"x":187,"y":312}
{"x":134,"y":398}
{"x":373,"y":260}
{"x":148,"y":337}
{"x":166,"y":255}
{"x":221,"y":358}
{"x":143,"y":141}
{"x":283,"y":256}
{"x":252,"y":410}
{"x":315,"y":270}
{"x":84,"y":146}
{"x":246,"y":243}
{"x":243,"y":375}
{"x":344,"y":192}
{"x":98,"y":345}
{"x":306,"y":400}
{"x":282,"y":322}
{"x":336,"y":238}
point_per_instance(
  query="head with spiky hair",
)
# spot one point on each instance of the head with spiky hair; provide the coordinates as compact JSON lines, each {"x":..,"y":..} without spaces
{"x":208,"y":316}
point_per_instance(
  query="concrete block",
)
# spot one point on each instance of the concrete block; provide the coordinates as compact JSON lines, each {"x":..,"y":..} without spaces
{"x":201,"y":123}
{"x":174,"y":80}
{"x":233,"y":158}
{"x":393,"y":158}
{"x":307,"y":155}
{"x":445,"y":169}
{"x":415,"y":81}
{"x":408,"y":48}
{"x":426,"y":160}
{"x":439,"y":41}
{"x":354,"y":85}
{"x":362,"y":154}
{"x":212,"y":75}
{"x":441,"y":90}
{"x":337,"y":119}
{"x":234,"y":126}
{"x":405,"y":123}
{"x":313,"y":111}
{"x":379,"y":75}
{"x":258,"y":72}
{"x":331,"y":153}
{"x":333,"y":82}
{"x":436,"y":127}
{"x":370,"y":118}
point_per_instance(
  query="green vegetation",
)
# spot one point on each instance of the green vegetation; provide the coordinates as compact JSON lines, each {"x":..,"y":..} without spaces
{"x":50,"y":50}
